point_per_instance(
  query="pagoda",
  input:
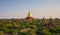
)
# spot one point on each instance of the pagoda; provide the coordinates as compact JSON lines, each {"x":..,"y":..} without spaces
{"x":29,"y":16}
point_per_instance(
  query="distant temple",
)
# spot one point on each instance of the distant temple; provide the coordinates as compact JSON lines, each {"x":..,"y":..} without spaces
{"x":50,"y":24}
{"x":29,"y":16}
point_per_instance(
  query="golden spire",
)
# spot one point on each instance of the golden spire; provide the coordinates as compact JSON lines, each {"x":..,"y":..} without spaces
{"x":29,"y":14}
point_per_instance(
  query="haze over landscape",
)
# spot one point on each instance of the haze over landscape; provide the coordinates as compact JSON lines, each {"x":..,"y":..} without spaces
{"x":38,"y":8}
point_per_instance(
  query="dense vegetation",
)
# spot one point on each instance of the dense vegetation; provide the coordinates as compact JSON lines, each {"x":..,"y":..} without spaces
{"x":27,"y":27}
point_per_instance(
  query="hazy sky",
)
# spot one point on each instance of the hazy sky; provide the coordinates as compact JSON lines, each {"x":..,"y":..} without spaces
{"x":38,"y":8}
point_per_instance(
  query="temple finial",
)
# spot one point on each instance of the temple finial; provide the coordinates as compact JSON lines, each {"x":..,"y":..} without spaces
{"x":29,"y":14}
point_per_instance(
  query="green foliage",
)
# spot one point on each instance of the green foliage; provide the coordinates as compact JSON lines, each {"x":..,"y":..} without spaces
{"x":14,"y":26}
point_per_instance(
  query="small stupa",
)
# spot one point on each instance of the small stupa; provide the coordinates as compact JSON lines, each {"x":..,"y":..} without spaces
{"x":43,"y":20}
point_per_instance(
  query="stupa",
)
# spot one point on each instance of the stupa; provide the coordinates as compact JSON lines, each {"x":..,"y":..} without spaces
{"x":29,"y":16}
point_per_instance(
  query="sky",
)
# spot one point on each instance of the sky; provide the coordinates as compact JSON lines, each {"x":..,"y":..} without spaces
{"x":38,"y":8}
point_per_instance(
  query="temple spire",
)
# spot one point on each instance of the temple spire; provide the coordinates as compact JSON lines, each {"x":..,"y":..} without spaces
{"x":29,"y":14}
